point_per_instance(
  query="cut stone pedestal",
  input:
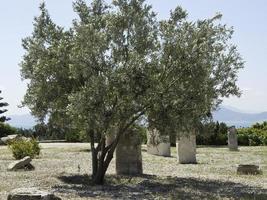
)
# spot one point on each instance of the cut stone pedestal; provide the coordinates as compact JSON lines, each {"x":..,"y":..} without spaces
{"x":157,"y":144}
{"x":129,"y":155}
{"x":186,"y":149}
{"x":232,"y":139}
{"x":248,"y":169}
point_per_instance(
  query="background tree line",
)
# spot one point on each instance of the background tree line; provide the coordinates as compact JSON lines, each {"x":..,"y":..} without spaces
{"x":212,"y":133}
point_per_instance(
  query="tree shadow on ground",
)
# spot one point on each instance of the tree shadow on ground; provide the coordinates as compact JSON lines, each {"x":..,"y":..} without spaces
{"x":151,"y":187}
{"x":85,"y":150}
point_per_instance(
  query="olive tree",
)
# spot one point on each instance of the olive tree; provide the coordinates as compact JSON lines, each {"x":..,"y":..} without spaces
{"x":118,"y":63}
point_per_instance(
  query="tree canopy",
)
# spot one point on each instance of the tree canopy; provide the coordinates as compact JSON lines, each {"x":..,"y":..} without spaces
{"x":118,"y":63}
{"x":2,"y":110}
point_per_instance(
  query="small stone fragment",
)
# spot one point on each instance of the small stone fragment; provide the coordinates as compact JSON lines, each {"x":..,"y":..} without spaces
{"x":20,"y":164}
{"x":248,"y":169}
{"x":31,"y":194}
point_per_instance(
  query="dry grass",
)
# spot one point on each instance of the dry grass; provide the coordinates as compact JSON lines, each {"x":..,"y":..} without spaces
{"x":214,"y":177}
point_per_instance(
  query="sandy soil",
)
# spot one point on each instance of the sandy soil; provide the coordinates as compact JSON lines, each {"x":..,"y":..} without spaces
{"x":64,"y":168}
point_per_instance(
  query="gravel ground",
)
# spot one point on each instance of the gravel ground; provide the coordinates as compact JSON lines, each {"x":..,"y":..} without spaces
{"x":214,"y":177}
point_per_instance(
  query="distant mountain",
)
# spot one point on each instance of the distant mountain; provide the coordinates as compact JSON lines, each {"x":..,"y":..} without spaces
{"x":227,"y":114}
{"x":22,"y":121}
{"x":239,"y":119}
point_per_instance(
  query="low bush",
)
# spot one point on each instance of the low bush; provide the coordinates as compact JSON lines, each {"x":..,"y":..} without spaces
{"x":253,"y":136}
{"x":22,"y":148}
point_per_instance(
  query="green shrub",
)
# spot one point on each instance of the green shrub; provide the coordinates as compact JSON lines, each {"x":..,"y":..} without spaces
{"x":243,"y":139}
{"x":72,"y":137}
{"x":253,"y":136}
{"x":22,"y":148}
{"x":6,"y":129}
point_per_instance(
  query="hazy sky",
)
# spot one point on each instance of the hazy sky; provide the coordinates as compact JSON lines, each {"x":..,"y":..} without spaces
{"x":249,"y":19}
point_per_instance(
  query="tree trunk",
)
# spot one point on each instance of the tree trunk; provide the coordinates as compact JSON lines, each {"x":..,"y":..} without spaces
{"x":94,"y":153}
{"x":102,"y":166}
{"x":98,"y":179}
{"x":94,"y":163}
{"x":103,"y":154}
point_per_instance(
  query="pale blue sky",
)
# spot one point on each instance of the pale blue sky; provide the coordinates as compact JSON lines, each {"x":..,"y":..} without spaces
{"x":249,"y":19}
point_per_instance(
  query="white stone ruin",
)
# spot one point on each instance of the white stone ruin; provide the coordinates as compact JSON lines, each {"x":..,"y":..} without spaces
{"x":158,"y":144}
{"x":186,"y":148}
{"x":129,"y":154}
{"x":232,"y":139}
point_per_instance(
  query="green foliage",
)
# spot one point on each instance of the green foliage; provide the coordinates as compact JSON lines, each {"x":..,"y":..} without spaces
{"x":216,"y":134}
{"x":3,"y":104}
{"x":22,"y":148}
{"x":141,"y":131}
{"x":6,"y":129}
{"x":76,"y":136}
{"x":253,"y":136}
{"x":212,"y":134}
{"x":51,"y":131}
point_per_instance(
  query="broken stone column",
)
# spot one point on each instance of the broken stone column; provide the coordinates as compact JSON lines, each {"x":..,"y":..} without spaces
{"x":158,"y":144}
{"x":186,"y":149}
{"x":232,"y":139}
{"x":129,"y":154}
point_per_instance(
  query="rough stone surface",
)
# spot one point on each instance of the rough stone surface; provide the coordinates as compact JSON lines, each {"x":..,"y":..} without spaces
{"x":157,"y":144}
{"x":7,"y":139}
{"x":20,"y":164}
{"x":162,"y":149}
{"x":186,"y":149}
{"x":248,"y":169}
{"x":232,"y":139}
{"x":129,"y":155}
{"x":31,"y":194}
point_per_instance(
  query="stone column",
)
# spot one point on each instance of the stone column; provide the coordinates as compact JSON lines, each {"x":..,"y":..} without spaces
{"x":129,"y":154}
{"x":186,"y":149}
{"x":232,"y":139}
{"x":158,"y":144}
